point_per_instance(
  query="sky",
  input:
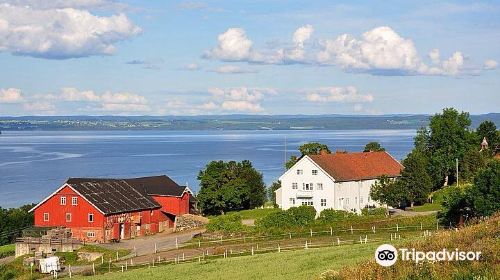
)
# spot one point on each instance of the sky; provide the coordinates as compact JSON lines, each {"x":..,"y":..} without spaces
{"x":101,"y":57}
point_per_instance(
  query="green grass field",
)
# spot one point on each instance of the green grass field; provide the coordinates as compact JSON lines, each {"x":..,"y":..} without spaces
{"x":7,"y":250}
{"x":255,"y":213}
{"x":301,"y":264}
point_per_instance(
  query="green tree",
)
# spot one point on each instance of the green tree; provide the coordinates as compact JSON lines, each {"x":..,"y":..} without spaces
{"x":472,"y":162}
{"x":485,"y":194}
{"x":313,"y":148}
{"x":389,"y":191}
{"x":488,"y":130}
{"x":13,"y":221}
{"x":414,"y":177}
{"x":271,"y":194}
{"x":230,"y":186}
{"x":447,"y":139}
{"x":373,"y":147}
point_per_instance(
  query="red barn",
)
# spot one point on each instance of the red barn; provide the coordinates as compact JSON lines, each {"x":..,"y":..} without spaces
{"x":102,"y":210}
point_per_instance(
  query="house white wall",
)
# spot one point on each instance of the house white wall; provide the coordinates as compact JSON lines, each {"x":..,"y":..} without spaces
{"x":353,"y":195}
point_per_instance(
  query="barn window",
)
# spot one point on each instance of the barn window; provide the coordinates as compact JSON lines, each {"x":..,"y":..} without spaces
{"x":314,"y":172}
{"x":90,"y":234}
{"x":63,"y":200}
{"x":91,"y":218}
{"x":74,"y":200}
{"x":68,"y":217}
{"x":45,"y":217}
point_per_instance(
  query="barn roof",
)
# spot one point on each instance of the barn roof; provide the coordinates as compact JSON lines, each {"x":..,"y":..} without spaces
{"x":358,"y":166}
{"x":152,"y":185}
{"x":114,"y":196}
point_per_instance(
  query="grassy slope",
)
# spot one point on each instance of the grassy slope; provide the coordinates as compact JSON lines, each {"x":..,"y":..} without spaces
{"x":302,"y":264}
{"x":7,"y":248}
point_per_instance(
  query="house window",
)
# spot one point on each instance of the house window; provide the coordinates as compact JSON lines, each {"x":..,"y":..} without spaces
{"x":311,"y":186}
{"x":306,"y":187}
{"x":347,"y":201}
{"x":314,"y":172}
{"x":63,"y":200}
{"x":300,"y":171}
{"x":361,"y":200}
{"x":90,"y":234}
{"x":74,"y":200}
{"x":91,"y":218}
{"x":294,"y":186}
{"x":292,"y":200}
{"x":319,"y":186}
{"x":308,"y":202}
{"x":68,"y":217}
{"x":45,"y":217}
{"x":323,"y":202}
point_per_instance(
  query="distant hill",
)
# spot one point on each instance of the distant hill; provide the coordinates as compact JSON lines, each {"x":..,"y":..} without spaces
{"x":226,"y":122}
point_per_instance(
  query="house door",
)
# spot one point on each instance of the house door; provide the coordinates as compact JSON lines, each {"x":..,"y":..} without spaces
{"x":122,"y":231}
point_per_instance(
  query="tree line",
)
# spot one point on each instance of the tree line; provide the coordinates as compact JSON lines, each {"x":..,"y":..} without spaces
{"x":13,"y":221}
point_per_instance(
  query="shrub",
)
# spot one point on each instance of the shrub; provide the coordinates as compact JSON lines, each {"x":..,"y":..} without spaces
{"x":329,"y":216}
{"x":381,"y":212}
{"x":226,"y":223}
{"x":294,"y":217}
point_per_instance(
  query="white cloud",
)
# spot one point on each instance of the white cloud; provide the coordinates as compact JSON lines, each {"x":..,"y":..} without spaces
{"x":39,"y":107}
{"x":11,"y":95}
{"x":124,"y":108}
{"x":338,"y":94}
{"x":435,"y":56}
{"x":490,"y":64}
{"x":73,"y":94}
{"x":233,"y":46}
{"x":123,"y":98}
{"x":61,"y":33}
{"x":241,"y":106}
{"x":379,"y":51}
{"x":232,"y":69}
{"x":191,"y":67}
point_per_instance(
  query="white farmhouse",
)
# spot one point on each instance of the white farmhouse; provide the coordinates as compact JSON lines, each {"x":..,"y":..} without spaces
{"x":341,"y":181}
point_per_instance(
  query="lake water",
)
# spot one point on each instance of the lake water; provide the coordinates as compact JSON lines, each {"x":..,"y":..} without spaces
{"x":35,"y":163}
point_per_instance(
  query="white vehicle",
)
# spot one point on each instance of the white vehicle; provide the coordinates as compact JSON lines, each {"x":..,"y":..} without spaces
{"x":49,"y":265}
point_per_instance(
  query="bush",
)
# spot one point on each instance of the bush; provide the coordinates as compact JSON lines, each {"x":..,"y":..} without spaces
{"x":226,"y":223}
{"x":294,"y":217}
{"x":381,"y":212}
{"x":329,"y":216}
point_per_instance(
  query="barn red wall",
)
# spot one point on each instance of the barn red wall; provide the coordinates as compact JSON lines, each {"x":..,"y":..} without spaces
{"x":79,"y":215}
{"x":173,"y":204}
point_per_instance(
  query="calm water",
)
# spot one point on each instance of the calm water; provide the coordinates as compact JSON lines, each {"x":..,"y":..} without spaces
{"x":33,"y":164}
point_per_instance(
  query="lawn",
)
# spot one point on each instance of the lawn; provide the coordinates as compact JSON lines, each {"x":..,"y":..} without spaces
{"x":301,"y":264}
{"x":7,"y":250}
{"x":427,"y":207}
{"x":256,"y":213}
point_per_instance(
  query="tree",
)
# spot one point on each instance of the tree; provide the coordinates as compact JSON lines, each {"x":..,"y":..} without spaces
{"x":447,"y":139}
{"x":389,"y":191}
{"x":415,"y":179}
{"x":12,"y":221}
{"x":488,"y":130}
{"x":230,"y":186}
{"x":313,"y":148}
{"x":271,"y":192}
{"x":373,"y":147}
{"x":472,"y":162}
{"x":478,"y":200}
{"x":486,"y":191}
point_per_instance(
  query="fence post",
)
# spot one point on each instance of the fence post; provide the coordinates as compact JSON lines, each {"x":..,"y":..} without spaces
{"x":122,"y":268}
{"x":156,"y":250}
{"x":397,"y":227}
{"x":331,"y":231}
{"x":176,"y":243}
{"x":311,"y":231}
{"x":135,"y":251}
{"x":338,"y":241}
{"x":391,"y":236}
{"x":421,"y":226}
{"x":279,"y":249}
{"x":153,"y":262}
{"x":366,"y":238}
{"x":131,"y":262}
{"x":360,"y":240}
{"x":252,"y":251}
{"x":437,"y":225}
{"x":374,"y":229}
{"x":351,"y":230}
{"x":93,"y":268}
{"x":221,"y":240}
{"x":69,"y":271}
{"x":102,"y":259}
{"x":290,"y":235}
{"x":306,"y":245}
{"x":126,"y":265}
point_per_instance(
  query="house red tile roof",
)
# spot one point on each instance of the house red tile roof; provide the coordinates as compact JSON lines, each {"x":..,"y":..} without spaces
{"x":358,"y":166}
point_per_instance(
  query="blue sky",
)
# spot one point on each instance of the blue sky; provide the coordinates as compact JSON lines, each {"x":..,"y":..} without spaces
{"x":100,"y":57}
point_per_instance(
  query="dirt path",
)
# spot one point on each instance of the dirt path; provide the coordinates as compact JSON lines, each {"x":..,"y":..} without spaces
{"x":146,"y":245}
{"x":6,"y":260}
{"x":399,"y":212}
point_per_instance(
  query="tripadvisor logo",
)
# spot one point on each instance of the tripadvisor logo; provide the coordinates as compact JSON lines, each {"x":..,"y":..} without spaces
{"x":387,"y":255}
